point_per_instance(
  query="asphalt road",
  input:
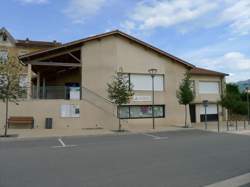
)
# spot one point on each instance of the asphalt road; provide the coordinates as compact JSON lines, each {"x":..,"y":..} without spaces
{"x":182,"y":158}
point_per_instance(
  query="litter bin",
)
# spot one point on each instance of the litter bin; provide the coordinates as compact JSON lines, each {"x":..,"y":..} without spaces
{"x":48,"y":123}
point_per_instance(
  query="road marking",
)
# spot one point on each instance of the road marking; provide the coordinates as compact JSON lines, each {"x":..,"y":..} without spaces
{"x":155,"y":137}
{"x":60,"y":140}
{"x":233,"y":182}
{"x":63,"y":145}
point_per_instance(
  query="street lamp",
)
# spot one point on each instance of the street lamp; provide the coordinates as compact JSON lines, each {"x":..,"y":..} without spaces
{"x":248,"y":106}
{"x":205,"y":104}
{"x":153,"y":72}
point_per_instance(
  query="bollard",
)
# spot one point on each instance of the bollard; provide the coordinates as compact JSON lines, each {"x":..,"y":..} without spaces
{"x":236,"y":125}
{"x":218,"y":125}
{"x":245,"y":124}
{"x":227,"y":126}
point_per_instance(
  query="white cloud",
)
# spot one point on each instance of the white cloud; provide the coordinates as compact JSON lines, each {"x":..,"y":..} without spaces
{"x":79,"y":10}
{"x":237,"y":14}
{"x":168,"y":13}
{"x":234,"y":63}
{"x":186,"y":14}
{"x":33,"y":1}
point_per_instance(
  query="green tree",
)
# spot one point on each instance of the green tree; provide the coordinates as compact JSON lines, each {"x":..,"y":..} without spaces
{"x":185,"y":93}
{"x":233,"y":101}
{"x":10,"y":71}
{"x":120,"y":92}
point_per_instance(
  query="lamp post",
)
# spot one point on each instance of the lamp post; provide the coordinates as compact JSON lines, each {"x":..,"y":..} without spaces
{"x":248,"y":107}
{"x":205,"y":104}
{"x":153,"y":72}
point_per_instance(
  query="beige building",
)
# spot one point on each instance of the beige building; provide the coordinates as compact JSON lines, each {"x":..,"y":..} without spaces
{"x":69,"y":84}
{"x":11,"y":47}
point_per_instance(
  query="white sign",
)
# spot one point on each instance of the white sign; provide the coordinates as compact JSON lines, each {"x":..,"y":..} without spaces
{"x":70,"y":110}
{"x":142,"y":98}
{"x":74,"y":93}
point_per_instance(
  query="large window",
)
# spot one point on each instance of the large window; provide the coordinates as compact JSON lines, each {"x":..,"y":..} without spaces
{"x":144,"y":82}
{"x":142,"y":111}
{"x":3,"y":56}
{"x":23,"y":81}
{"x":206,"y":87}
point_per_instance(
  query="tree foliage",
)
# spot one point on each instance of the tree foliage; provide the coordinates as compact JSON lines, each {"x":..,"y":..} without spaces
{"x":10,"y":71}
{"x":233,"y":100}
{"x":185,"y":93}
{"x":10,"y":91}
{"x":120,"y":92}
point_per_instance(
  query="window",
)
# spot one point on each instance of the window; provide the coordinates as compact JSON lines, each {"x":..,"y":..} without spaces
{"x":3,"y":56}
{"x":3,"y":80}
{"x":208,"y":87}
{"x":3,"y":37}
{"x":141,"y":111}
{"x":211,"y":109}
{"x":23,"y":81}
{"x":144,"y":82}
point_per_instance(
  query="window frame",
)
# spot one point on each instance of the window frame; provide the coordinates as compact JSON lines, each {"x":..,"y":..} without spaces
{"x":213,"y":93}
{"x":150,"y":117}
{"x":2,"y":59}
{"x":147,"y":74}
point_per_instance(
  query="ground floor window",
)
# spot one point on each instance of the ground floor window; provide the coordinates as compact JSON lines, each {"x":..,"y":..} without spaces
{"x":141,"y":111}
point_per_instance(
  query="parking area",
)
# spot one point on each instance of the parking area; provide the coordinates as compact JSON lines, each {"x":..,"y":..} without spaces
{"x":175,"y":158}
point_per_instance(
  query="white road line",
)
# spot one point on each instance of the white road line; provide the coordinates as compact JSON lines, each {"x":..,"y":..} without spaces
{"x":60,"y":140}
{"x":155,"y":137}
{"x":233,"y":182}
{"x":63,"y":145}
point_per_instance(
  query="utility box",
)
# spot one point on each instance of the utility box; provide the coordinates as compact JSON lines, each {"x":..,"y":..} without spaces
{"x":48,"y":123}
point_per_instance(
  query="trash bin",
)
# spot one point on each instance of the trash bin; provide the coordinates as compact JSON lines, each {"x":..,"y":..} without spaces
{"x":48,"y":123}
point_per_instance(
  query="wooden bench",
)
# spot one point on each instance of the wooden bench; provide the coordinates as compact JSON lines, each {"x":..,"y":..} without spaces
{"x":21,"y":120}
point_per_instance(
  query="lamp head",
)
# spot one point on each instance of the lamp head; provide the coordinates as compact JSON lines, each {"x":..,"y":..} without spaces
{"x":152,"y":71}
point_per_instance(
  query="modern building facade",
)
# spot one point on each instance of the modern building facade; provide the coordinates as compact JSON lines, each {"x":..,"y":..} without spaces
{"x":69,"y":84}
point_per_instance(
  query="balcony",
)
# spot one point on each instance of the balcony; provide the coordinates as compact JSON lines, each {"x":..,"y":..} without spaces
{"x":56,"y":92}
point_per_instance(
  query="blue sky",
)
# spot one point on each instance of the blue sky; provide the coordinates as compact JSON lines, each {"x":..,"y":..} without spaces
{"x":211,"y":34}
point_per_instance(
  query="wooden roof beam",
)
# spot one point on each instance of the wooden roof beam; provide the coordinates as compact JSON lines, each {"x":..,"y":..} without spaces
{"x":61,"y":64}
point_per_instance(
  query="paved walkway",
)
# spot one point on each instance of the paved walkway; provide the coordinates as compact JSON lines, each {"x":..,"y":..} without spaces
{"x":43,"y":133}
{"x":240,"y":128}
{"x":40,"y":133}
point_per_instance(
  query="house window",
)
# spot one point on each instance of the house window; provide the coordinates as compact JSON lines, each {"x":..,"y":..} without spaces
{"x":143,"y":82}
{"x":3,"y":56}
{"x":211,"y":112}
{"x":23,"y":81}
{"x":141,"y":111}
{"x":3,"y":80}
{"x":3,"y":37}
{"x":208,"y":87}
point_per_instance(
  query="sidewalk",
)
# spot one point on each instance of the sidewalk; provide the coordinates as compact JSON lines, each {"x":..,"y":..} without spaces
{"x":17,"y":134}
{"x":232,"y":128}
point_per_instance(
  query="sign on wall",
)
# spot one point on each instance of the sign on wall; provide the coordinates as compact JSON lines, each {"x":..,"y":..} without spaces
{"x":142,"y":98}
{"x":70,"y":111}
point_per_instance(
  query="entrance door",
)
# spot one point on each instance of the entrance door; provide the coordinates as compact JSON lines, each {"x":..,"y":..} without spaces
{"x":192,"y":113}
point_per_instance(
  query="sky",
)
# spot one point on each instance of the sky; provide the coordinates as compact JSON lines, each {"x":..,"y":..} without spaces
{"x":212,"y":34}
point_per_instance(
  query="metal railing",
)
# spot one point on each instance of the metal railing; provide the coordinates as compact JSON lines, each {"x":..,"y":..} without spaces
{"x":68,"y":93}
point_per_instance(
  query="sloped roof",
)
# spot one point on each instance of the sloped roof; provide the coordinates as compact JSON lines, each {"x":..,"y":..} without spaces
{"x":28,"y":42}
{"x":78,"y":43}
{"x":202,"y":71}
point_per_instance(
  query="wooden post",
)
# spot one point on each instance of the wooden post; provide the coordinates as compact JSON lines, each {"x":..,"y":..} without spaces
{"x":38,"y":86}
{"x":29,"y":83}
{"x":44,"y":87}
